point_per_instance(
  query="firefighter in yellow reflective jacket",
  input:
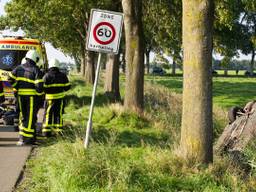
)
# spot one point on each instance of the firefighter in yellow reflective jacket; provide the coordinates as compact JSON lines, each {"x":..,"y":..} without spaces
{"x":55,"y":85}
{"x":27,"y":80}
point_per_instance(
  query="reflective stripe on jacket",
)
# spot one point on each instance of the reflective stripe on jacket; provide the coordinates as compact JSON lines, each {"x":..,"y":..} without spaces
{"x":27,"y":79}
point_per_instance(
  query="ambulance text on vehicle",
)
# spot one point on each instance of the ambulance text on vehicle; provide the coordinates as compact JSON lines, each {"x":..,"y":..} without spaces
{"x":12,"y":51}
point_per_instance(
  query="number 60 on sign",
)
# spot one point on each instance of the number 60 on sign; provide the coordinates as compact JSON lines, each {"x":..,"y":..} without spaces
{"x":105,"y":30}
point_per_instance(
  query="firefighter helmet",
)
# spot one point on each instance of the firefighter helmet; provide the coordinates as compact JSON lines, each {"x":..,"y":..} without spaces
{"x":23,"y":61}
{"x":54,"y":63}
{"x":33,"y":55}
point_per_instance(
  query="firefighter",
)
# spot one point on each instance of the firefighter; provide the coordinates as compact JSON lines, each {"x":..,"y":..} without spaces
{"x":56,"y":84}
{"x":1,"y":91}
{"x":23,"y":61}
{"x":27,"y":80}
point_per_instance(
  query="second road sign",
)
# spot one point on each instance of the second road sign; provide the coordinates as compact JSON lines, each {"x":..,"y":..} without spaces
{"x":105,"y":30}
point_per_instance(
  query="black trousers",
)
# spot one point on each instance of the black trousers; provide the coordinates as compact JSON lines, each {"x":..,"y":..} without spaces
{"x":53,"y":120}
{"x":28,"y":109}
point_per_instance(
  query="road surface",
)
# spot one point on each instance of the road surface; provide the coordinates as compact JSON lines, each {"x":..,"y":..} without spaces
{"x":12,"y":158}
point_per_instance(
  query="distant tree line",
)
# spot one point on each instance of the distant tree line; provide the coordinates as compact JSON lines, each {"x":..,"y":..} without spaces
{"x":232,"y":65}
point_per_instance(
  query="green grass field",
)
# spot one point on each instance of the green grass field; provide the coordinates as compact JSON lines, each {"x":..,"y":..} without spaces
{"x":220,"y":72}
{"x":227,"y":91}
{"x":135,"y":153}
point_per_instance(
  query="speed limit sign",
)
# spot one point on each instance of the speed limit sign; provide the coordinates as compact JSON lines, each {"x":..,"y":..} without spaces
{"x":103,"y":36}
{"x":104,"y":32}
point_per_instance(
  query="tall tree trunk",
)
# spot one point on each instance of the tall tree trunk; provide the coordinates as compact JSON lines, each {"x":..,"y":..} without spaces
{"x":104,"y":60}
{"x":147,"y":53}
{"x":252,"y":63}
{"x":78,"y":63}
{"x":82,"y":71}
{"x":225,"y":71}
{"x":112,"y":77}
{"x":123,"y":63}
{"x":196,"y":131}
{"x":83,"y":65}
{"x":90,"y":67}
{"x":134,"y":87}
{"x":173,"y":67}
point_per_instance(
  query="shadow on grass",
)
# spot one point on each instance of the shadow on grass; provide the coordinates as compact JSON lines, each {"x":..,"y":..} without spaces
{"x":174,"y":84}
{"x":45,"y":142}
{"x":131,"y":138}
{"x":77,"y":82}
{"x":100,"y":100}
{"x":234,"y":93}
{"x":126,"y":138}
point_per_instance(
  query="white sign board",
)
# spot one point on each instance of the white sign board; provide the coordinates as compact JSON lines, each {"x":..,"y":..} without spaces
{"x":104,"y":31}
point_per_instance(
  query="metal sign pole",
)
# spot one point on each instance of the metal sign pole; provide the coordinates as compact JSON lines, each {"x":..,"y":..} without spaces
{"x":89,"y":123}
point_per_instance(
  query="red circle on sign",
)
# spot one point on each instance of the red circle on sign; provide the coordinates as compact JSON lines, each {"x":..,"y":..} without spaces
{"x":95,"y":33}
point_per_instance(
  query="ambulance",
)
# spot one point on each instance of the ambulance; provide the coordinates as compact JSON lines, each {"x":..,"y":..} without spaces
{"x":12,"y":51}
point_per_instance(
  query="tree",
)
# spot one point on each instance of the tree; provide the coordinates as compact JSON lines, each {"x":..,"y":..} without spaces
{"x":134,"y":87}
{"x":227,"y":30}
{"x":111,"y":86}
{"x":64,"y":23}
{"x":235,"y":28}
{"x":162,"y":24}
{"x":196,"y":130}
{"x":226,"y":64}
{"x":248,"y":46}
{"x":89,"y":67}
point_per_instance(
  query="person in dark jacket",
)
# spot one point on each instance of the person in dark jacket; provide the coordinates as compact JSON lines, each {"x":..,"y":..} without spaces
{"x":1,"y":91}
{"x":27,"y":80}
{"x":56,"y":84}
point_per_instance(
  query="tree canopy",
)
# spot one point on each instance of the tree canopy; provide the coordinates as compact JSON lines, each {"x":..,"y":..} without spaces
{"x":64,"y":23}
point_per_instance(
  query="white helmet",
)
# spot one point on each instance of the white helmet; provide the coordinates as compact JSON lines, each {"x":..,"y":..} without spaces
{"x":33,"y":55}
{"x":23,"y":61}
{"x":54,"y":63}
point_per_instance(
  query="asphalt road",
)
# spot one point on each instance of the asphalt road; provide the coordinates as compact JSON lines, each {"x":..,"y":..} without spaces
{"x":12,"y":158}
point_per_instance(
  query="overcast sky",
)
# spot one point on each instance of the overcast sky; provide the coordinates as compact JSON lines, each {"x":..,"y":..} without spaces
{"x":51,"y":51}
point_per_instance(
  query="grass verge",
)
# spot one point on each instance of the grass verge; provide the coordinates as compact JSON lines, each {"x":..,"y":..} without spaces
{"x":128,"y":152}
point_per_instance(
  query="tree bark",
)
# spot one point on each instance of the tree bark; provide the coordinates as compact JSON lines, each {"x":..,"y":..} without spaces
{"x":104,"y":60}
{"x":252,"y":63}
{"x":82,"y":71}
{"x":225,"y":72}
{"x":112,"y":77}
{"x":196,"y":130}
{"x":78,"y":62}
{"x":147,"y":54}
{"x":83,"y":65}
{"x":90,"y":67}
{"x":173,"y":67}
{"x":134,"y":87}
{"x":123,"y":63}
